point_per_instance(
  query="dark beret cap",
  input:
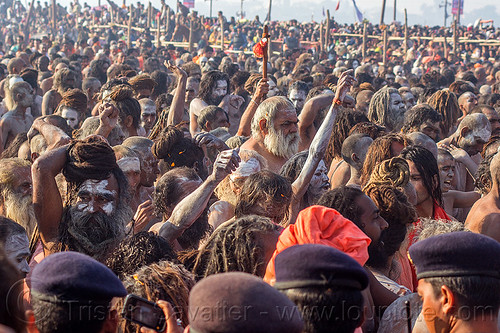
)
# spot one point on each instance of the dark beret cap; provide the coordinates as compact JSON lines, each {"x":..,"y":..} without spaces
{"x":243,"y":303}
{"x":456,"y":254}
{"x":316,"y":265}
{"x":72,"y":276}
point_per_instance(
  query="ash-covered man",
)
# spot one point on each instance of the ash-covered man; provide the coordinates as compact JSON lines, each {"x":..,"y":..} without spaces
{"x":148,"y":114}
{"x":16,"y":120}
{"x":387,"y":109}
{"x":95,"y":212}
{"x":214,"y":90}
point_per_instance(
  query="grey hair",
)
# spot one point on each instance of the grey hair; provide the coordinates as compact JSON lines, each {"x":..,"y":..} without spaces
{"x":267,"y":110}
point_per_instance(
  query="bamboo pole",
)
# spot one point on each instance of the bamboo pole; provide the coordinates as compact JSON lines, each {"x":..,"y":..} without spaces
{"x":265,"y":50}
{"x":406,"y":32}
{"x":149,"y":15}
{"x":455,"y":46}
{"x":158,"y":32}
{"x":363,"y":50}
{"x":384,"y":56}
{"x":191,"y":47}
{"x":54,"y":16}
{"x":129,"y":41}
{"x":167,"y":23}
{"x":382,"y":13}
{"x":327,"y":33}
{"x":28,"y":21}
{"x":321,"y":37}
{"x":221,"y":22}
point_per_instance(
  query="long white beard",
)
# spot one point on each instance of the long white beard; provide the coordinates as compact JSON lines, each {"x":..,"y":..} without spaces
{"x":20,"y":210}
{"x":281,"y":145}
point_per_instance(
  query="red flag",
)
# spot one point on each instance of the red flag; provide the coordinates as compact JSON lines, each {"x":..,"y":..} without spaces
{"x":338,"y":5}
{"x":258,"y":49}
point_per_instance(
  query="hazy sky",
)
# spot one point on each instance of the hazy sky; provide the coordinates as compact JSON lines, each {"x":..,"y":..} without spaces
{"x":419,"y":12}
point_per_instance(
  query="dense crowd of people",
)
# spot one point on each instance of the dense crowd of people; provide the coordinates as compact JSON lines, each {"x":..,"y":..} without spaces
{"x":339,"y":193}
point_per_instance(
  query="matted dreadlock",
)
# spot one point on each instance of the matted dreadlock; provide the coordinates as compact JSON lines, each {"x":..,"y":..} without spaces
{"x":235,"y":246}
{"x":161,"y":281}
{"x":379,"y":106}
{"x":446,"y":104}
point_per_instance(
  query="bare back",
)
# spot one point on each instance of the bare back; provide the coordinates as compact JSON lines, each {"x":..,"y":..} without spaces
{"x":12,"y":124}
{"x":484,"y":217}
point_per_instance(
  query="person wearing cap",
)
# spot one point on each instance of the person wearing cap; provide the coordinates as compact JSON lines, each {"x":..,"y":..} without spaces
{"x":320,"y":280}
{"x":240,"y":302}
{"x":71,"y":292}
{"x":458,"y":281}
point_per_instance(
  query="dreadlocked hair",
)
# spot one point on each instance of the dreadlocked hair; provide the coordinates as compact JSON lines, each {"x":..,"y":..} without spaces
{"x":268,"y":190}
{"x":175,"y":150}
{"x":446,"y":104}
{"x":343,"y":199}
{"x":393,"y":172}
{"x":251,"y":82}
{"x":209,"y":82}
{"x":372,"y":130}
{"x":160,"y":124}
{"x":122,"y":96}
{"x":377,"y":111}
{"x":483,"y":180}
{"x":396,"y":210}
{"x":141,"y":249}
{"x":161,"y":281}
{"x":460,"y":86}
{"x":235,"y":246}
{"x":428,"y":169}
{"x":345,"y":120}
{"x":142,"y":81}
{"x":91,"y":158}
{"x":379,"y":151}
{"x":75,"y":99}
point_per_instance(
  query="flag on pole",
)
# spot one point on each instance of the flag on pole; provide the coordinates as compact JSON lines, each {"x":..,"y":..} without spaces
{"x":324,"y":11}
{"x":454,"y":7}
{"x":188,"y":3}
{"x":358,"y":12}
{"x":338,"y":5}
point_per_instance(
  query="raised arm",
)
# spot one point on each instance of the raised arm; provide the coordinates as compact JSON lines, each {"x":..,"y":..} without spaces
{"x":246,"y":118}
{"x":307,"y":116}
{"x":319,"y":144}
{"x":47,"y":201}
{"x":178,"y":102}
{"x":53,"y":135}
{"x":190,"y":208}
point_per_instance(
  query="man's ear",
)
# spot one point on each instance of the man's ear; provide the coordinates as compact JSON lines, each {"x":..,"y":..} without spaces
{"x":30,"y":322}
{"x":355,"y":158}
{"x":448,"y":301}
{"x":263,"y":126}
{"x":129,"y":121}
{"x":34,"y":156}
{"x":208,"y":126}
{"x":464,"y":131}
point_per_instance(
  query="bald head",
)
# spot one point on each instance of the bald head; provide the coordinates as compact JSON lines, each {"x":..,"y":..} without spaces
{"x":424,"y":141}
{"x":354,"y":149}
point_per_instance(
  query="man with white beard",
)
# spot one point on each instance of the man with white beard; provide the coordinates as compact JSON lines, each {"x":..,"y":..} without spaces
{"x":16,"y":193}
{"x":96,"y":211}
{"x":274,"y":132}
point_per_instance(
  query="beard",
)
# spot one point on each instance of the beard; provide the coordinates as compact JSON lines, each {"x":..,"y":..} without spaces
{"x":20,"y":209}
{"x":281,"y":145}
{"x":396,"y":119}
{"x":214,"y":100}
{"x":377,"y":256}
{"x":95,"y":234}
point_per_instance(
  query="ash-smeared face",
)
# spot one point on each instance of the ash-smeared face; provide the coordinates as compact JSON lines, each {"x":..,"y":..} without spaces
{"x":98,"y":195}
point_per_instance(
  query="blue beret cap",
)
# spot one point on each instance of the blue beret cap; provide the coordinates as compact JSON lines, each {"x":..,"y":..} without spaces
{"x":72,"y":276}
{"x":456,"y":254}
{"x":316,"y":265}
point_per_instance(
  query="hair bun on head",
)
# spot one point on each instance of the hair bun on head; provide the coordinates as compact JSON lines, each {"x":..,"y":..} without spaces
{"x":90,"y":158}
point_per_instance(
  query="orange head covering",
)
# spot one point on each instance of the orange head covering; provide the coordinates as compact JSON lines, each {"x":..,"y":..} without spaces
{"x":322,"y":225}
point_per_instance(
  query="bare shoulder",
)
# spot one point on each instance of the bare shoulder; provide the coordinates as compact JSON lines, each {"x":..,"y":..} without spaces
{"x":490,"y":226}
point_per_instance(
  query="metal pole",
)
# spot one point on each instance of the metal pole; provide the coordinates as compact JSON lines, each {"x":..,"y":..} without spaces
{"x":445,"y":11}
{"x":383,"y":12}
{"x":211,"y":8}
